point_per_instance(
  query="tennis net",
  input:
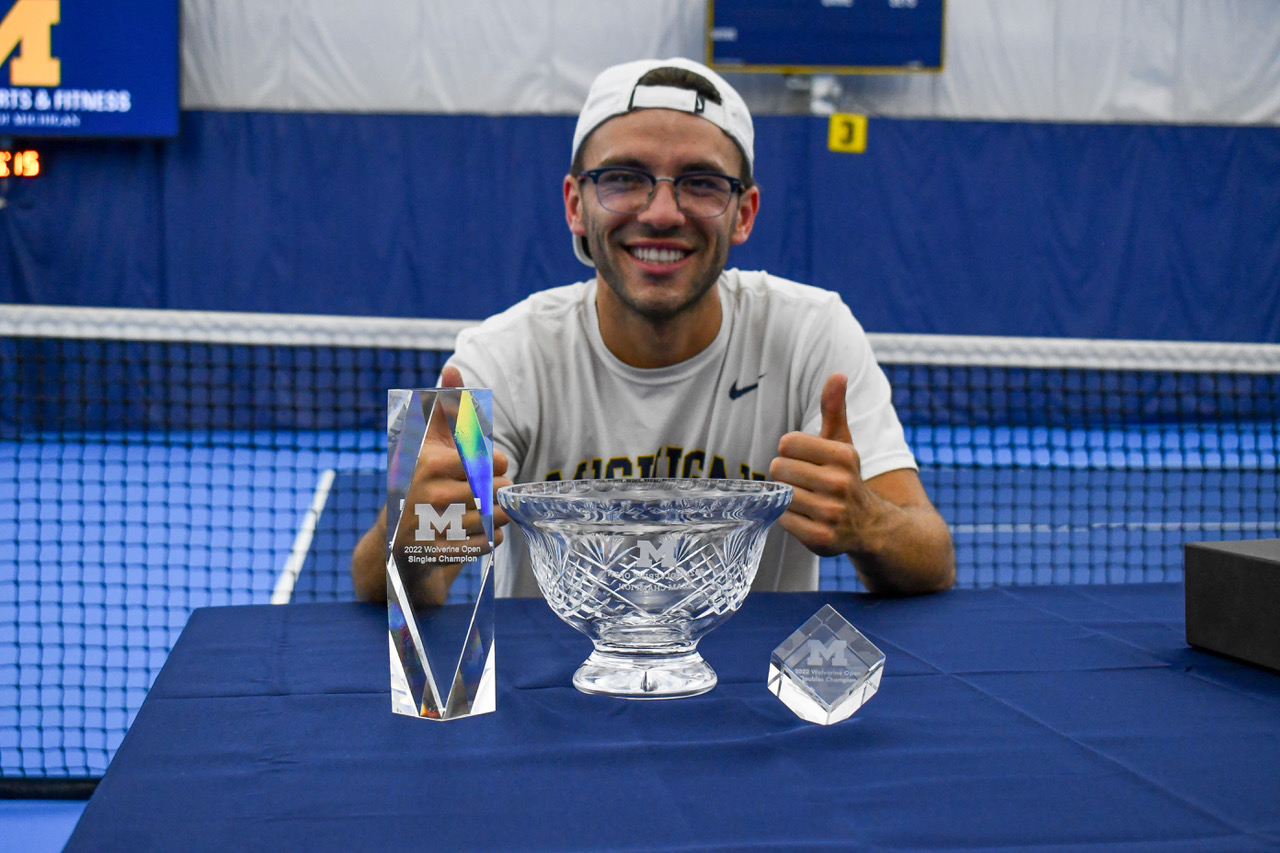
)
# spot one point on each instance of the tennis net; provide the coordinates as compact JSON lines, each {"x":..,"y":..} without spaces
{"x":152,"y":462}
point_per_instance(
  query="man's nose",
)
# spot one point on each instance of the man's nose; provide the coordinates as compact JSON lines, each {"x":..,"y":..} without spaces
{"x":662,"y":205}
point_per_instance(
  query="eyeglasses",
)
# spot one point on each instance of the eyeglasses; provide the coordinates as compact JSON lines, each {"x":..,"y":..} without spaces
{"x":702,"y":195}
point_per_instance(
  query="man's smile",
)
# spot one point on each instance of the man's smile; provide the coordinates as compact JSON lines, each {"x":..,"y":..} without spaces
{"x":658,"y":256}
{"x":652,"y":255}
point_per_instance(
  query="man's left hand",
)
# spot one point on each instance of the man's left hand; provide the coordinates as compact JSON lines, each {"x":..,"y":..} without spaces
{"x":832,"y":506}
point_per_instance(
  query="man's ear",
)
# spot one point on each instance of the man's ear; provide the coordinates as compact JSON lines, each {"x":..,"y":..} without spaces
{"x":573,"y":205}
{"x":745,"y":218}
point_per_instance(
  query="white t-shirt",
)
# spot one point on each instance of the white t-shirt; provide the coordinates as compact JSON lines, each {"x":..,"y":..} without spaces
{"x":565,"y":407}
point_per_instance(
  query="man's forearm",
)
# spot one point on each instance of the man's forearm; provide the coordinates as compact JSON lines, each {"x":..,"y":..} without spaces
{"x":912,"y":555}
{"x":369,"y":563}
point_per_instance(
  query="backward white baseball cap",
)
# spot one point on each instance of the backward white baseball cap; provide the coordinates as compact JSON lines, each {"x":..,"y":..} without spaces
{"x":617,"y":91}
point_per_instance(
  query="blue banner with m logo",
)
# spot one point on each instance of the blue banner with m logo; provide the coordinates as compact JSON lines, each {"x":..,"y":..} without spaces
{"x":84,"y":68}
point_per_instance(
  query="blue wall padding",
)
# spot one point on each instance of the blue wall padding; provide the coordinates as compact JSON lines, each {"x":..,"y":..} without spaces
{"x":1112,"y":231}
{"x":1072,"y":230}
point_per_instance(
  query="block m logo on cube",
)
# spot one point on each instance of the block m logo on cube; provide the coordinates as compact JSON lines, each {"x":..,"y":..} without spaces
{"x":27,"y":29}
{"x":828,"y":654}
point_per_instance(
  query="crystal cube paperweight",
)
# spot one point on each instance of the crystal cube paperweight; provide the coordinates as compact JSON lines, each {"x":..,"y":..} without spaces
{"x":440,"y":537}
{"x":826,"y":670}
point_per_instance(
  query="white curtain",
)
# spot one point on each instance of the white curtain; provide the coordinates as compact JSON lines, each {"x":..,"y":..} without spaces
{"x":1169,"y":61}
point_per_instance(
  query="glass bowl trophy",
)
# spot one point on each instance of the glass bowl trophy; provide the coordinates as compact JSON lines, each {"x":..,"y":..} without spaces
{"x":440,"y":536}
{"x":645,"y":568}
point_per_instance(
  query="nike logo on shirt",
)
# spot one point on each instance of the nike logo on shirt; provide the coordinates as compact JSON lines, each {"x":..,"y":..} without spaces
{"x":735,"y":392}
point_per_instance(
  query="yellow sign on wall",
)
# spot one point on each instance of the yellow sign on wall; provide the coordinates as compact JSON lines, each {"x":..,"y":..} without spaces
{"x":847,"y":132}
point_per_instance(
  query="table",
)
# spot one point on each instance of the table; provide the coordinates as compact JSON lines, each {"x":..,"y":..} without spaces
{"x":1075,"y":718}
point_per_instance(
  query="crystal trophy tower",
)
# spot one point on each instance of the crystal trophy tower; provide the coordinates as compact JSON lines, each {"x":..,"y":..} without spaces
{"x":440,"y":551}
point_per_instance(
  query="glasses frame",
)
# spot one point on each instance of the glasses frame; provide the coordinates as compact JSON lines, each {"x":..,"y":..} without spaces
{"x":735,"y":187}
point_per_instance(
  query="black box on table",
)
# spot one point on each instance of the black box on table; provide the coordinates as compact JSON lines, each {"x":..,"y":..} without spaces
{"x":1233,"y":599}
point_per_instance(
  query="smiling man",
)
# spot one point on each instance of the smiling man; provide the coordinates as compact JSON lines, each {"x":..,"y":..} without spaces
{"x":667,"y":364}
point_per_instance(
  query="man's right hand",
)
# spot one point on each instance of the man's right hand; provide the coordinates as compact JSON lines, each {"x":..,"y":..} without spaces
{"x":439,"y":480}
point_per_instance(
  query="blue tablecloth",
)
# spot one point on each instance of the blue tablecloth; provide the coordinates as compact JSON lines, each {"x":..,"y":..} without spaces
{"x":1064,"y":718}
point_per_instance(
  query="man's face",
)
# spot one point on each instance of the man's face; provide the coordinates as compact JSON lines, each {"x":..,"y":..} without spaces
{"x":659,"y":263}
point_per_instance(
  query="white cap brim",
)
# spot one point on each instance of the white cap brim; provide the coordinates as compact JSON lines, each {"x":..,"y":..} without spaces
{"x":580,"y":251}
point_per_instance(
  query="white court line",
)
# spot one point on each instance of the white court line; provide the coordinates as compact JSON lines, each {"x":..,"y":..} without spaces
{"x":302,"y":542}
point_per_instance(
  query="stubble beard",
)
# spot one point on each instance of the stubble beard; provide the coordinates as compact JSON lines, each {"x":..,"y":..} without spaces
{"x":655,"y":312}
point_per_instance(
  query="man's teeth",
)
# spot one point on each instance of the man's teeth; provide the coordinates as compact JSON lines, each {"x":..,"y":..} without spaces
{"x":657,"y":256}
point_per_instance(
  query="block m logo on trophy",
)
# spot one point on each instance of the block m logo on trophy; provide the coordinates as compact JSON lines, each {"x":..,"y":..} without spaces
{"x":440,"y":538}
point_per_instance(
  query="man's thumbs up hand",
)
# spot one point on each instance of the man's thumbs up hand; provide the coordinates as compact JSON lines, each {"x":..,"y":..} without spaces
{"x":831,"y":503}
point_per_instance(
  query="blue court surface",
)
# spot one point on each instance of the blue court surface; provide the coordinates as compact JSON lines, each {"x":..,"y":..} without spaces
{"x":119,"y":537}
{"x":38,"y":826}
{"x":1040,"y":505}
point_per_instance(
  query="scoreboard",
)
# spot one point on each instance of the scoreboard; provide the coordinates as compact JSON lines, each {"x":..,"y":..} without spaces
{"x":825,"y":36}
